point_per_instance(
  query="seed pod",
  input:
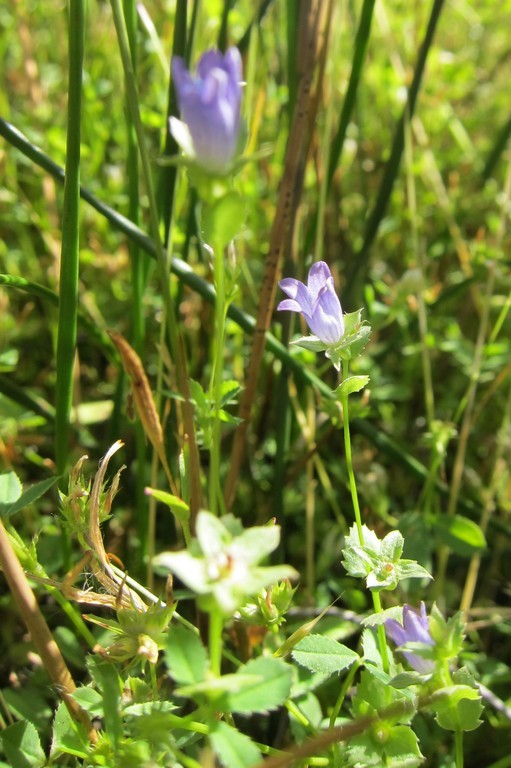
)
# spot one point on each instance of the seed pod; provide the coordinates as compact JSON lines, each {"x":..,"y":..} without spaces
{"x":144,"y":401}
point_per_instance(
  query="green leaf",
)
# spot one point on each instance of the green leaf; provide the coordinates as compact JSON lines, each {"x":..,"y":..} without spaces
{"x":396,"y":612}
{"x":459,"y":533}
{"x":233,"y":749}
{"x":28,"y":703}
{"x":458,"y":708}
{"x":177,"y":506}
{"x":69,"y":737}
{"x":22,"y":745}
{"x":223,"y":220}
{"x":350,"y":385}
{"x":323,"y":654}
{"x":109,"y":683}
{"x":271,"y":690}
{"x":392,"y":546}
{"x":216,"y":689}
{"x":311,"y":343}
{"x":199,"y":397}
{"x":402,"y":748}
{"x":31,"y":494}
{"x":405,"y":679}
{"x":90,"y":700}
{"x":10,"y":491}
{"x":409,"y":569}
{"x":185,"y":656}
{"x":230,"y":391}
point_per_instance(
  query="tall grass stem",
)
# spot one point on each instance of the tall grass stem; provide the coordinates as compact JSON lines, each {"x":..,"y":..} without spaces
{"x":215,"y":392}
{"x":175,"y":342}
{"x":69,"y":262}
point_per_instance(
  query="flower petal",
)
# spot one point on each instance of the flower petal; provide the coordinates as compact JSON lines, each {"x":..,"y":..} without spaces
{"x":210,"y":106}
{"x":318,"y":276}
{"x":290,"y":305}
{"x":298,"y":291}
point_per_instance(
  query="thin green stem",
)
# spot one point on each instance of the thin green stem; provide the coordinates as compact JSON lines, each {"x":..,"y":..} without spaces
{"x":342,"y":693}
{"x":154,"y":681}
{"x":69,"y":263}
{"x":459,"y":748}
{"x":216,"y":625}
{"x":216,"y":379}
{"x":382,"y":640}
{"x":349,"y":459}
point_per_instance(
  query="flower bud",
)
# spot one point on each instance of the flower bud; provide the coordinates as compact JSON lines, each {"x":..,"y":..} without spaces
{"x":210,"y":105}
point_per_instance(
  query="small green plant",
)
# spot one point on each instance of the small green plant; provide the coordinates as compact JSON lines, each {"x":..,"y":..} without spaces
{"x":312,"y":599}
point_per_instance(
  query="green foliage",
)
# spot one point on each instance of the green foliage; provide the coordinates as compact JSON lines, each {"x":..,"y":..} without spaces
{"x":207,"y":411}
{"x":463,"y":536}
{"x":322,"y":654}
{"x":379,"y":562}
{"x":22,"y":745}
{"x":398,"y":179}
{"x":10,"y":490}
{"x":185,"y":656}
{"x":234,"y":749}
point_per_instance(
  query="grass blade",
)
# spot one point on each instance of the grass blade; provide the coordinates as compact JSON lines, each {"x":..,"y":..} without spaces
{"x":361,"y":43}
{"x":69,"y":265}
{"x":391,"y":170}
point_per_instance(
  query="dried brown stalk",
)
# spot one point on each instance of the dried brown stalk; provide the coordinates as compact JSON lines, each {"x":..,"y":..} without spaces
{"x":36,"y":624}
{"x":322,"y":741}
{"x":144,"y":401}
{"x":314,"y":19}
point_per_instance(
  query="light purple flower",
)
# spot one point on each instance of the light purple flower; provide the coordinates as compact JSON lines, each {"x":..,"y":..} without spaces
{"x":210,"y":105}
{"x":415,"y":629}
{"x":317,"y":301}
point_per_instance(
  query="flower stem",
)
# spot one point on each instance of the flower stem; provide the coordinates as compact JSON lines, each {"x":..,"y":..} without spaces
{"x":459,"y":748}
{"x":349,"y":459}
{"x":216,"y":380}
{"x":342,"y":693}
{"x":215,"y":642}
{"x":382,"y":640}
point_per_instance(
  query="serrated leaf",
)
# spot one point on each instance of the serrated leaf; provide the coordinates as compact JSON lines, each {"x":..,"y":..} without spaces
{"x":323,"y":654}
{"x":350,"y":385}
{"x":69,"y":737}
{"x":185,"y":656}
{"x":230,"y":391}
{"x":198,"y":396}
{"x":271,"y":690}
{"x":459,"y":533}
{"x":233,"y":749}
{"x":402,"y":748}
{"x":22,"y":745}
{"x":396,"y":612}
